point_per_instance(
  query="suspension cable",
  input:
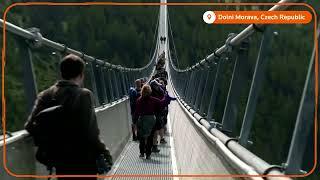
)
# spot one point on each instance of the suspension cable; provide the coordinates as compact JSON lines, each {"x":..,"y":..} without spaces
{"x":174,"y":47}
{"x":155,"y":36}
{"x":37,"y":37}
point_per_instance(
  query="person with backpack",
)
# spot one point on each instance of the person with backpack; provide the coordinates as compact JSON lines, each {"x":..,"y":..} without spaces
{"x":134,"y":94}
{"x":159,"y":91}
{"x":64,"y":127}
{"x":147,"y":109}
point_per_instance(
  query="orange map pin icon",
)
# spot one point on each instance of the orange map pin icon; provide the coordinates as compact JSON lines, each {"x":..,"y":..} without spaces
{"x":209,"y":17}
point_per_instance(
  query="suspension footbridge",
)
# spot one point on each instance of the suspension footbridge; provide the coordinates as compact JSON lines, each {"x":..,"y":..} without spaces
{"x":198,"y":146}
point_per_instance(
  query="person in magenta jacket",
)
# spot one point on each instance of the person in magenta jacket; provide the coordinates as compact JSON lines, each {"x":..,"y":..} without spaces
{"x":147,"y":109}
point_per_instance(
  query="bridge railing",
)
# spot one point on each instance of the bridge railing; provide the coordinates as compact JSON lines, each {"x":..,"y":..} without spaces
{"x":109,"y":83}
{"x":197,"y":87}
{"x":114,"y":123}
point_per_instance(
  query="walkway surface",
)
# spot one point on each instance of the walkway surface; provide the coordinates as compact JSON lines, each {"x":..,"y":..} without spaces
{"x":189,"y":149}
{"x":162,"y":163}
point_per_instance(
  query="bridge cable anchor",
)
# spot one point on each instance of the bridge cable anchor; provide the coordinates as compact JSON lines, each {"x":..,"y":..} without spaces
{"x":103,"y":66}
{"x":229,"y":140}
{"x":108,"y":65}
{"x":195,"y":112}
{"x":214,"y":125}
{"x":197,"y":66}
{"x":94,"y":61}
{"x":216,"y":58}
{"x":273,"y":167}
{"x":36,"y":42}
{"x":65,"y":48}
{"x":188,"y":107}
{"x":215,"y":54}
{"x":201,"y":119}
{"x":228,"y":44}
{"x":82,"y":56}
{"x":206,"y":61}
{"x":258,"y":29}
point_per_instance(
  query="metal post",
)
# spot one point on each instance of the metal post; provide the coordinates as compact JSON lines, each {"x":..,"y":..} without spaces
{"x":123,"y":82}
{"x":119,"y":81}
{"x":304,"y":123}
{"x":186,"y":87}
{"x":231,"y":109}
{"x":130,"y":77}
{"x":201,"y":89}
{"x":192,"y":87}
{"x":134,"y":77}
{"x":58,"y":56}
{"x":103,"y":84}
{"x":107,"y":86}
{"x":126,"y":82}
{"x":111,"y":88}
{"x":175,"y":79}
{"x":186,"y":84}
{"x":258,"y":77}
{"x":214,"y":91}
{"x":29,"y":77}
{"x":181,"y":82}
{"x":207,"y":89}
{"x":196,"y":89}
{"x":99,"y":85}
{"x":115,"y":84}
{"x":94,"y":85}
{"x":184,"y":80}
{"x":189,"y":87}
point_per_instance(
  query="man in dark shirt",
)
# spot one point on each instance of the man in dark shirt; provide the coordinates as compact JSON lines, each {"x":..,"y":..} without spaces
{"x":77,"y":138}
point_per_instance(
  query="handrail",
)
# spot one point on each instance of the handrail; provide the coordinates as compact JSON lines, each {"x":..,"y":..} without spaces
{"x":15,"y":136}
{"x":29,"y":35}
{"x":248,"y":162}
{"x":236,"y":40}
{"x":63,"y":48}
{"x":18,"y":135}
{"x":199,"y":80}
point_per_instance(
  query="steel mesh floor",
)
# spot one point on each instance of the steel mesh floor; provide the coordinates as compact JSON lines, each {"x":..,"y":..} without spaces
{"x":131,"y":163}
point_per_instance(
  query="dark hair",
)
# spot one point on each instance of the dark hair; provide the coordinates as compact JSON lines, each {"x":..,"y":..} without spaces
{"x":71,"y":66}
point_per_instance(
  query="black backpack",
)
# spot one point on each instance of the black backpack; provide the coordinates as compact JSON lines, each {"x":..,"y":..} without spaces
{"x":45,"y":129}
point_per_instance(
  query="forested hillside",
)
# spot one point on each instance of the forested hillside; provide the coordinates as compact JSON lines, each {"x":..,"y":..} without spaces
{"x":120,"y":35}
{"x":125,"y":35}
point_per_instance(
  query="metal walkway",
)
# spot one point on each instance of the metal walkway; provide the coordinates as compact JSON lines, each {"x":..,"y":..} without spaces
{"x":197,"y":144}
{"x":162,"y":163}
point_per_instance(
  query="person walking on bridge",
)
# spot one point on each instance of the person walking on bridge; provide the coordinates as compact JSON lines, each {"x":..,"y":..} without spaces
{"x":157,"y":92}
{"x":147,"y":109}
{"x":134,"y":94}
{"x":73,"y":145}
